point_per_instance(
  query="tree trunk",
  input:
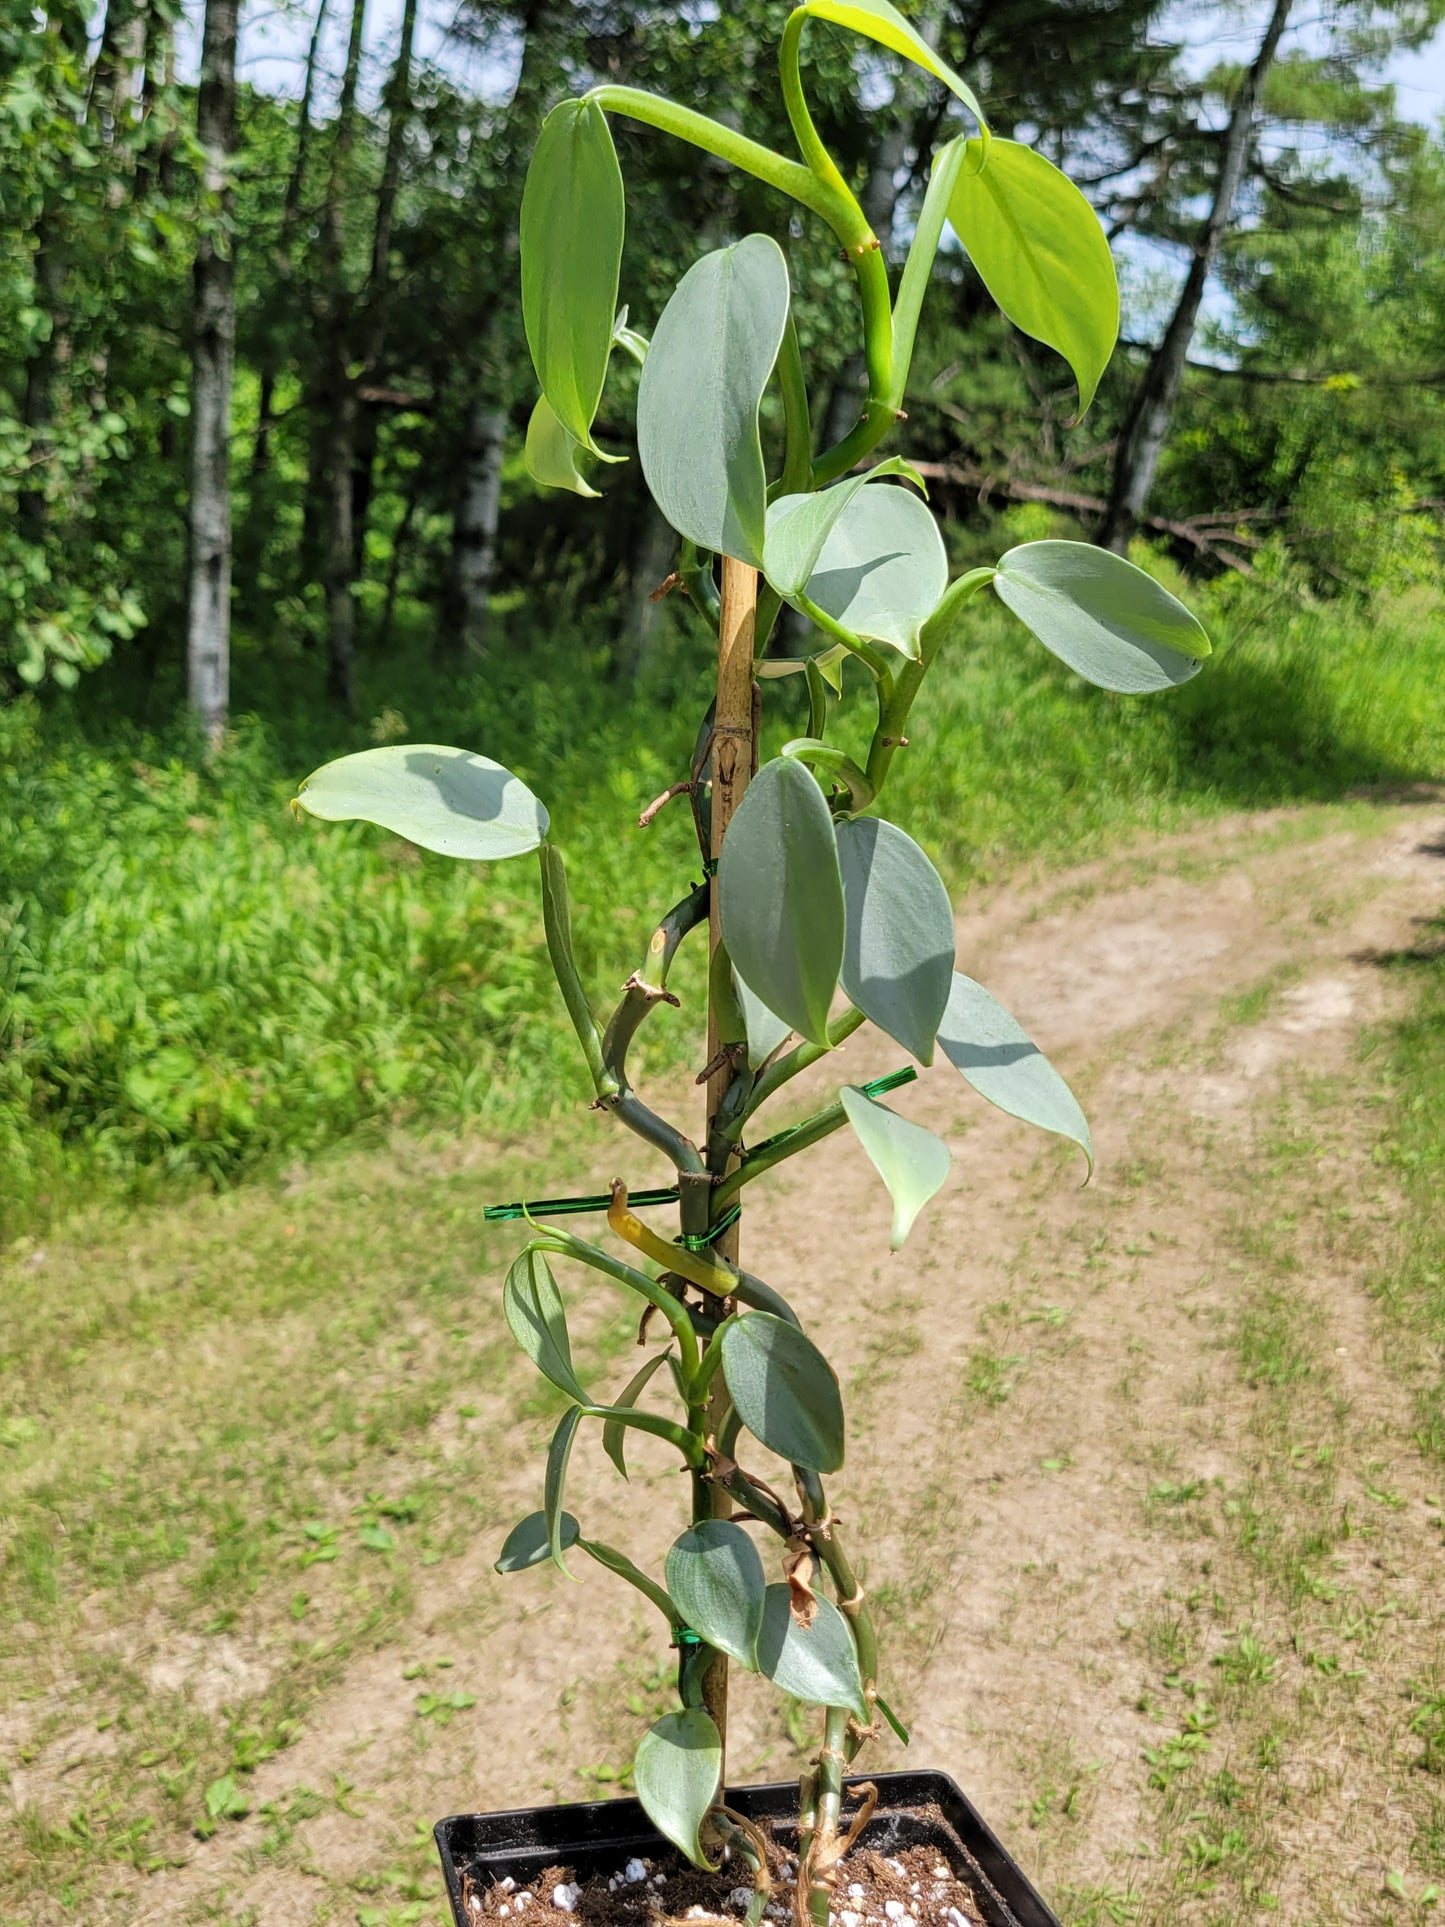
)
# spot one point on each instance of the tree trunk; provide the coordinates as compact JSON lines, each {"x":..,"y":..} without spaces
{"x":474,"y":524}
{"x":285,"y":257}
{"x":340,"y":400}
{"x":1147,"y":429}
{"x":208,"y":630}
{"x":339,"y":574}
{"x":652,"y":559}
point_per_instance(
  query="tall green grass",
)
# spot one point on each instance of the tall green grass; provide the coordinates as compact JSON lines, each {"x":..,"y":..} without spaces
{"x":190,"y":981}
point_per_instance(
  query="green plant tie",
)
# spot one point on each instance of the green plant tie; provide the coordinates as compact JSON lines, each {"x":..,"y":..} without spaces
{"x":568,"y":1207}
{"x":700,"y":1240}
{"x":668,"y":1194}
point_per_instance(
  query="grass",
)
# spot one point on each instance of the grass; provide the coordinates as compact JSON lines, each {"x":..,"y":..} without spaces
{"x":193,"y":984}
{"x":1412,"y":1149}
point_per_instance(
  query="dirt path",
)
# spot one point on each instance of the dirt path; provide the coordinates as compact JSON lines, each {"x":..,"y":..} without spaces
{"x":1133,"y":1463}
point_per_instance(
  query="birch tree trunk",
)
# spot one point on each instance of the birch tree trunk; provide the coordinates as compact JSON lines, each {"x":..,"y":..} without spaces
{"x":339,"y":409}
{"x":1140,"y":446}
{"x":474,"y":525}
{"x":208,"y":627}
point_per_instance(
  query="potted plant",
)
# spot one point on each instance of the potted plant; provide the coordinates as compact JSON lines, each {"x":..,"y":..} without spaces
{"x":805,"y":891}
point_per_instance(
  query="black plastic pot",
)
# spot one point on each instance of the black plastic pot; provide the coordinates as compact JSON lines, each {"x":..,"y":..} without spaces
{"x":600,"y":1836}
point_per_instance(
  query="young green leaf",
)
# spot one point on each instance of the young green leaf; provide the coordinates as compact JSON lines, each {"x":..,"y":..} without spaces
{"x":447,"y":800}
{"x":697,"y":401}
{"x":828,"y":662}
{"x":799,"y":525}
{"x":785,"y":1391}
{"x":882,"y":570}
{"x":677,"y":1773}
{"x":912,"y":1162}
{"x":1109,"y":621}
{"x":1041,"y":253}
{"x":818,"y":1664}
{"x":534,"y":1310}
{"x":983,"y":1042}
{"x":877,"y":20}
{"x":715,"y":1578}
{"x":765,"y":1030}
{"x":551,"y":453}
{"x":558,"y":1454}
{"x":782,"y":898}
{"x":573,"y":210}
{"x":614,"y":1432}
{"x":898,"y":950}
{"x":619,"y":1563}
{"x":528,"y":1544}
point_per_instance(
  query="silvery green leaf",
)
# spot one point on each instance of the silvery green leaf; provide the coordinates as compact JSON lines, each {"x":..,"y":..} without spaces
{"x":819,"y":1665}
{"x":799,"y":525}
{"x":765,"y":1030}
{"x":710,"y":359}
{"x":785,"y":1391}
{"x":1109,"y":621}
{"x":715,"y":1579}
{"x":898,"y":950}
{"x":781,"y":896}
{"x":447,"y":800}
{"x":677,"y":1774}
{"x":558,"y":1453}
{"x":982,"y":1041}
{"x":882,"y":570}
{"x":912,"y":1162}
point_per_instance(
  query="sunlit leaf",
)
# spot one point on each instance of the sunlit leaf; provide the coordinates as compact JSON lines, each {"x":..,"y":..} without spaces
{"x":1041,"y":253}
{"x":898,"y":951}
{"x":799,"y":525}
{"x":1109,"y":621}
{"x":711,"y":355}
{"x":551,"y":453}
{"x":447,"y":800}
{"x":573,"y":210}
{"x":818,"y":1664}
{"x":677,"y":1773}
{"x":785,"y":1391}
{"x":781,"y":896}
{"x":981,"y":1040}
{"x":715,"y":1579}
{"x":879,"y":21}
{"x":912,"y":1162}
{"x":882,"y":570}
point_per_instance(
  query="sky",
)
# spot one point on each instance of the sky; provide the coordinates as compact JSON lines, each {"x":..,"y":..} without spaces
{"x":275,"y":36}
{"x":274,"y":40}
